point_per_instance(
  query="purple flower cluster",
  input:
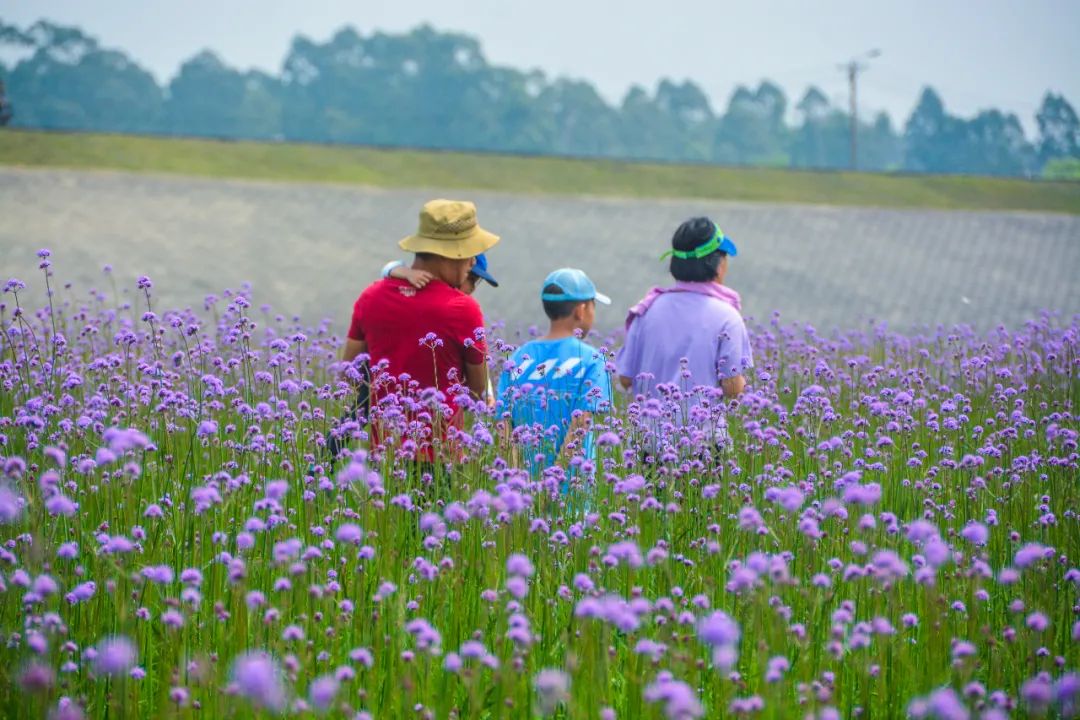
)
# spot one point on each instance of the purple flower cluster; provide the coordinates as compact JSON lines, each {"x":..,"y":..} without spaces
{"x":882,"y":525}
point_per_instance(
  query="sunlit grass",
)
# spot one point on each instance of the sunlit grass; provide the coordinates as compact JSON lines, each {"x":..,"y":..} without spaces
{"x":430,"y":169}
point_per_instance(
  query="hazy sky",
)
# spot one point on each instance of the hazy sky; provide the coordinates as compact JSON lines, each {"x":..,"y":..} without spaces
{"x":984,"y":53}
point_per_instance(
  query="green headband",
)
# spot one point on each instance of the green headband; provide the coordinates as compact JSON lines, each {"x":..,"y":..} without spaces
{"x":708,"y":248}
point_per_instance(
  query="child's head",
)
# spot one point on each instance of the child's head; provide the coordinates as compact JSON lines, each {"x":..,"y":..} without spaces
{"x":452,"y":271}
{"x":478,"y":272}
{"x":570,"y":298}
{"x":699,"y":251}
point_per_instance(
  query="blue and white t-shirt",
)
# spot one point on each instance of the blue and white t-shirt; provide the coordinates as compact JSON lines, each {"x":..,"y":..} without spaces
{"x":547,"y":381}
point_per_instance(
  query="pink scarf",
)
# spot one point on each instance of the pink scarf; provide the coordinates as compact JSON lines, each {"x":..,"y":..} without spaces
{"x":711,"y":289}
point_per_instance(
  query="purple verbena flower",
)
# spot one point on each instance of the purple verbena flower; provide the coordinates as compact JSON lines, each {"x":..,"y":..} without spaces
{"x":115,"y":656}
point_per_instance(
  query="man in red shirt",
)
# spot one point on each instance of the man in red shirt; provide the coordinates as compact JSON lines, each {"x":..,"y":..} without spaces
{"x":434,"y":337}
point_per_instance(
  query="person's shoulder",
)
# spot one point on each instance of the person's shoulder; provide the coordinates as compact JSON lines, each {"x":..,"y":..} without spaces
{"x":726,"y":309}
{"x":372,"y":291}
{"x":458,"y":299}
{"x":723,"y":311}
{"x":380,"y":286}
{"x":533,"y":349}
{"x":586,"y":350}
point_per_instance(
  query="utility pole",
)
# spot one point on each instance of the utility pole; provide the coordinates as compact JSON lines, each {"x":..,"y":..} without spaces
{"x":853,"y":67}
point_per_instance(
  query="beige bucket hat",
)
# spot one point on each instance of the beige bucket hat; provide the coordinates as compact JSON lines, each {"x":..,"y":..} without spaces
{"x":449,"y":228}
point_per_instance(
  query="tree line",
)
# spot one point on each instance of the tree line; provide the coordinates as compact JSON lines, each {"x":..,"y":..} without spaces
{"x":431,"y":89}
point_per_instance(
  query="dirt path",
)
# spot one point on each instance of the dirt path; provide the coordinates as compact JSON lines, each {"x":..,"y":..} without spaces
{"x":309,"y":249}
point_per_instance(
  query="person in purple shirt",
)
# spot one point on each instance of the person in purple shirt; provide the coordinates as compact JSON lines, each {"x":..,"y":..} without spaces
{"x":691,"y":334}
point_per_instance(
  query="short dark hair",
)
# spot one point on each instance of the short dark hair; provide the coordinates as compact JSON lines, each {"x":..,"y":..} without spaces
{"x":558,"y":309}
{"x":692,"y":234}
{"x":426,"y":256}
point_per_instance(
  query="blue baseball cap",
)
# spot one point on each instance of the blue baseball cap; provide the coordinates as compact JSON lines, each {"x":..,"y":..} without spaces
{"x":480,"y":270}
{"x":575,"y":286}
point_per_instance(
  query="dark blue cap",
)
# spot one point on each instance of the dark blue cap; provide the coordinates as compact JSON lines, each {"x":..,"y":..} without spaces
{"x":480,"y":270}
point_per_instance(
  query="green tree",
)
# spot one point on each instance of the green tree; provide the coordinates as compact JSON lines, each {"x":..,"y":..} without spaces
{"x":880,"y":148}
{"x":69,"y":82}
{"x":322,"y":99}
{"x":823,"y":138}
{"x":994,"y":144}
{"x":676,"y":124}
{"x":424,"y":88}
{"x":517,"y":122}
{"x":808,"y":148}
{"x":991,"y":143}
{"x":686,"y":109}
{"x":1059,"y":129}
{"x":462,"y":101}
{"x":752,"y":131}
{"x":433,"y":89}
{"x":933,"y":139}
{"x":642,"y":125}
{"x":439,"y":80}
{"x":5,"y":105}
{"x":583,"y":123}
{"x":209,"y":98}
{"x":11,"y":38}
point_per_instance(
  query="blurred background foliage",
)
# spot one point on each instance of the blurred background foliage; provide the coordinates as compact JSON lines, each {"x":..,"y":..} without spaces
{"x":434,"y":90}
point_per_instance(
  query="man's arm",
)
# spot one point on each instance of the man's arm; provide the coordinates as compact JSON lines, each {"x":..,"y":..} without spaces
{"x":353,"y":348}
{"x":417,"y":278}
{"x":628,"y":358}
{"x":476,"y":379}
{"x":733,"y":386}
{"x":734,"y":357}
{"x":470,"y":327}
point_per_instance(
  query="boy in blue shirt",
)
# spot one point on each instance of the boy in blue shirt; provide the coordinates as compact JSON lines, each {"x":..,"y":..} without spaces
{"x":556,"y":383}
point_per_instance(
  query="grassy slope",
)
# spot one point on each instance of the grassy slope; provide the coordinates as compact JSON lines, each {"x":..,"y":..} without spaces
{"x":410,"y":168}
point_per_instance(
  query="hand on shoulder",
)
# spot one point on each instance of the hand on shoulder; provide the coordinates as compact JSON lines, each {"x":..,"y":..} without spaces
{"x":417,"y":278}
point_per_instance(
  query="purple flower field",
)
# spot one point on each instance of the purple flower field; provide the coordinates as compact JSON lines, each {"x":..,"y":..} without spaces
{"x":888,"y":527}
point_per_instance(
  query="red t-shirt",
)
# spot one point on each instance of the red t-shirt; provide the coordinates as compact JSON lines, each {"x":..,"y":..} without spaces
{"x":392,"y":317}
